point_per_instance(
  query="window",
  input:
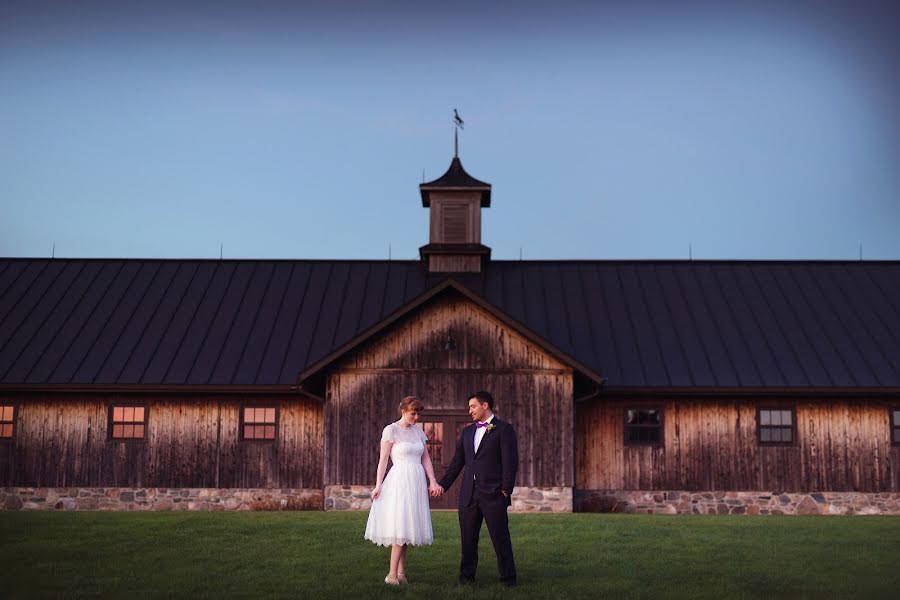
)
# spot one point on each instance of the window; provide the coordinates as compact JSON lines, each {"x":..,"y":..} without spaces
{"x":895,"y":426}
{"x":775,"y":426}
{"x":7,"y":421}
{"x":434,"y":433}
{"x":258,"y":423}
{"x":127,"y":422}
{"x":643,"y":426}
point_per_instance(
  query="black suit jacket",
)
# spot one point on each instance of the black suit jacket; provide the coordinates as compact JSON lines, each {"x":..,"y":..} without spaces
{"x":494,"y":465}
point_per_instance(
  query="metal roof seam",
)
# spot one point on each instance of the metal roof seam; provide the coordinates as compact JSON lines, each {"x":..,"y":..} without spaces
{"x":568,"y":317}
{"x":654,"y":328}
{"x":12,"y":284}
{"x":63,"y":320}
{"x":343,"y":303}
{"x":296,"y":323}
{"x":717,"y":326}
{"x":759,"y":327}
{"x":34,"y":307}
{"x":635,"y":338}
{"x":795,"y":317}
{"x":822,"y":326}
{"x":149,"y":320}
{"x":84,"y":323}
{"x":609,"y":320}
{"x":137,"y":305}
{"x":312,"y":336}
{"x":842,"y":322}
{"x":737,"y":325}
{"x":13,"y":305}
{"x":99,"y":330}
{"x":598,"y":362}
{"x":690,"y":313}
{"x":674,"y":324}
{"x":362,"y":305}
{"x":234,"y":317}
{"x":787,"y":340}
{"x":883,"y":324}
{"x":265,"y":346}
{"x":256,"y":313}
{"x":209,"y":328}
{"x":887,"y":298}
{"x":548,"y":314}
{"x":156,"y":346}
{"x":177,"y":350}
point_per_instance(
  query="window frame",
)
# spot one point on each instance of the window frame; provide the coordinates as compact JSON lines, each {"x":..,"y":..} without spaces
{"x":14,"y":422}
{"x":661,"y":427}
{"x":894,"y":424}
{"x":759,"y":426}
{"x":276,"y":423}
{"x":127,"y":404}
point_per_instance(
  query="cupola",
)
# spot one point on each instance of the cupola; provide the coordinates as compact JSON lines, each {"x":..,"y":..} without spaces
{"x":455,"y":200}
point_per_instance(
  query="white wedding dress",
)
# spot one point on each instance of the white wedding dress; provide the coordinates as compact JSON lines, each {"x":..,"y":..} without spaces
{"x":401,"y":514}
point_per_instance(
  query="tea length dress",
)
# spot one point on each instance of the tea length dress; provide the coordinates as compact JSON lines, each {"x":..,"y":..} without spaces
{"x":401,"y":514}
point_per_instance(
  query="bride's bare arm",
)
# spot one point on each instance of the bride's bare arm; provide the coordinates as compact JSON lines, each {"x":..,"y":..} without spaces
{"x":382,"y":467}
{"x":433,"y":487}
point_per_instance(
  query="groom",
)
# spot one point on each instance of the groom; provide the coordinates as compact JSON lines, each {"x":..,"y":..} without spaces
{"x":488,"y":456}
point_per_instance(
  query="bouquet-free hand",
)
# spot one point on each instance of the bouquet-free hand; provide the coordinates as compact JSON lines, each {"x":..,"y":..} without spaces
{"x":435,"y":491}
{"x":376,"y":492}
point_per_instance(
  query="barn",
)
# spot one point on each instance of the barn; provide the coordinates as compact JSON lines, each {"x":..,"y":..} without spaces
{"x":672,"y":386}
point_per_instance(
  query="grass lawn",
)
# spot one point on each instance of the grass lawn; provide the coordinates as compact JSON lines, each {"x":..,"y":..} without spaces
{"x":303,"y":554}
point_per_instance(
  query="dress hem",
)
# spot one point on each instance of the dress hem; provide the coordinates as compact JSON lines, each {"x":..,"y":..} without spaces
{"x":398,"y":542}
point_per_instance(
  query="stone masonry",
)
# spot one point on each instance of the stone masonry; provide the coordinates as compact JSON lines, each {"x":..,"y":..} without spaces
{"x":738,"y":503}
{"x":199,"y":499}
{"x":525,"y":499}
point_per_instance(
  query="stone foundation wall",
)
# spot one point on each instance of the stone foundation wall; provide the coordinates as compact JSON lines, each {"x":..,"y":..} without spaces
{"x":525,"y":499}
{"x":738,"y":503}
{"x":542,"y":499}
{"x":211,"y":499}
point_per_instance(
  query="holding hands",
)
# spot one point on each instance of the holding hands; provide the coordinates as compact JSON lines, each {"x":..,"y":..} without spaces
{"x":434,"y":490}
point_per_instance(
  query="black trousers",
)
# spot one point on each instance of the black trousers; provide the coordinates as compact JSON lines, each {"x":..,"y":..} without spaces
{"x":489,"y":507}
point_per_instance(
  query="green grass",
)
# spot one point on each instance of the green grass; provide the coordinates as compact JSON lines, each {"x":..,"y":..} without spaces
{"x":323,"y":555}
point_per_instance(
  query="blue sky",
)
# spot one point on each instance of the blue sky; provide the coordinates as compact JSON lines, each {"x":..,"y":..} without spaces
{"x":608,"y":130}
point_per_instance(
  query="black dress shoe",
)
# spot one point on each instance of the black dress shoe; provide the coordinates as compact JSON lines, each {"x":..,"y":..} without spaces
{"x":466,"y":581}
{"x":509,"y":582}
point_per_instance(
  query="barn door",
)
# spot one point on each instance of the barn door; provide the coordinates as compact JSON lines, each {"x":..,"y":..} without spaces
{"x":442,"y":432}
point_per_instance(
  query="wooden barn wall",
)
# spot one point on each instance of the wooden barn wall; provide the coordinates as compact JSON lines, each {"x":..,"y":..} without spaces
{"x":532,"y":390}
{"x":191,"y":441}
{"x":841,"y":445}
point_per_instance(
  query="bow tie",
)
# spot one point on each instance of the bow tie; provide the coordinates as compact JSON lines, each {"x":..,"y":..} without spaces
{"x":477,"y":425}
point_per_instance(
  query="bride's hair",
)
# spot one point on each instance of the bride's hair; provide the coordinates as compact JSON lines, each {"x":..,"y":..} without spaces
{"x":411,"y":403}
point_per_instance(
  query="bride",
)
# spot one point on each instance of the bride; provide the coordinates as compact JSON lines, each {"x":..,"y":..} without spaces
{"x":400,"y":514}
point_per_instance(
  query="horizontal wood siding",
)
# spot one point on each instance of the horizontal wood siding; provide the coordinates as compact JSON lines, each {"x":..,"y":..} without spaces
{"x":841,"y":445}
{"x":191,"y":441}
{"x":533,"y":391}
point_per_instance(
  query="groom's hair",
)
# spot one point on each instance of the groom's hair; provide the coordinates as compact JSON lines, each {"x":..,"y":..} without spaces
{"x":484,"y":397}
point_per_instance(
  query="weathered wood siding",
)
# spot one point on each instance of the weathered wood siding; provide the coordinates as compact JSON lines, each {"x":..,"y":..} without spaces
{"x":191,"y":441}
{"x":532,"y":390}
{"x":841,"y":445}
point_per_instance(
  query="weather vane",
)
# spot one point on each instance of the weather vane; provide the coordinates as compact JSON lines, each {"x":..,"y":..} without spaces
{"x":460,"y":124}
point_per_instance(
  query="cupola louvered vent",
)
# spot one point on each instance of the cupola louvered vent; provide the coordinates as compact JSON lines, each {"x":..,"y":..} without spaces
{"x":455,"y":223}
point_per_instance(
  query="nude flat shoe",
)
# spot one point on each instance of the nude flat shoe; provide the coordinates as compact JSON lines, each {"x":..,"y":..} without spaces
{"x":401,"y":577}
{"x":391,"y":581}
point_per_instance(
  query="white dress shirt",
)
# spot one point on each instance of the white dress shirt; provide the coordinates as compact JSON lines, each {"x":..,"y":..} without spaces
{"x":480,"y":431}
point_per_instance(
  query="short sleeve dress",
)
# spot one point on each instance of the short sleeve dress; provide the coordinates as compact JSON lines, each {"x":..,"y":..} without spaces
{"x":401,"y":514}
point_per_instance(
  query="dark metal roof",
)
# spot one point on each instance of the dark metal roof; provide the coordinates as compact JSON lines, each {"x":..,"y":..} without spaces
{"x":639,"y":324}
{"x":456,"y":178}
